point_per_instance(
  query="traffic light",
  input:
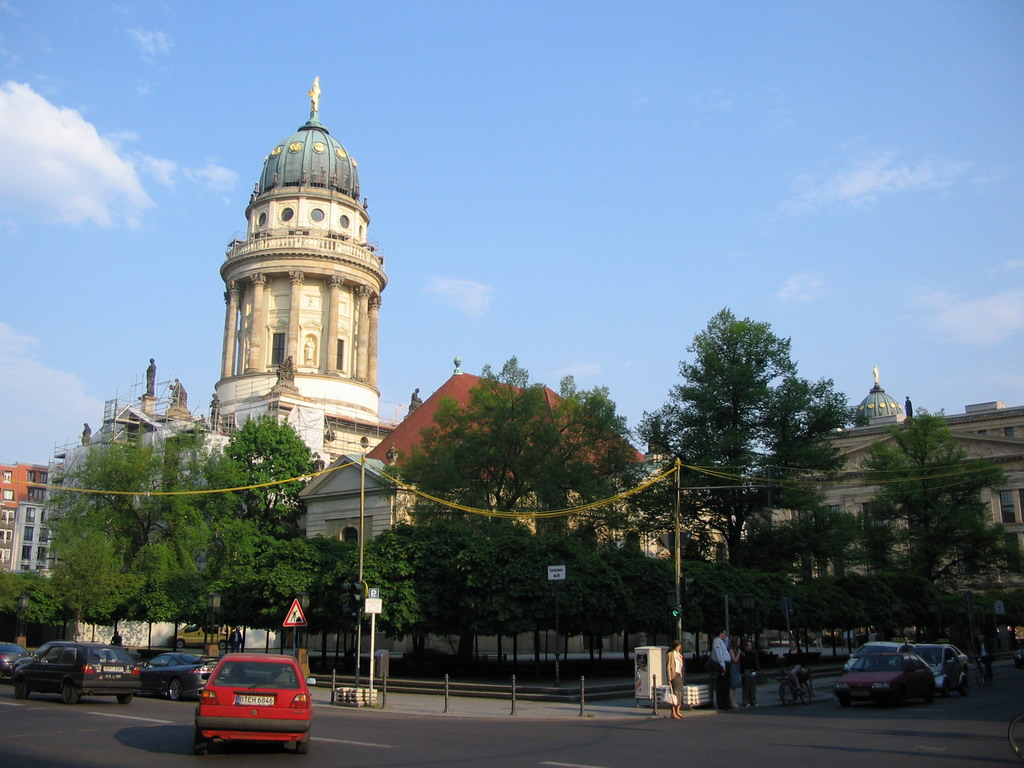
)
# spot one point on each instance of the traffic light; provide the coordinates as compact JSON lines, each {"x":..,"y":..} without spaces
{"x":677,"y":611}
{"x":352,"y":598}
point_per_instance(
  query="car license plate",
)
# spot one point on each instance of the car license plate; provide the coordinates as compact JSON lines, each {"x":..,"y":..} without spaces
{"x":860,"y":694}
{"x":113,"y":669}
{"x":250,"y":700}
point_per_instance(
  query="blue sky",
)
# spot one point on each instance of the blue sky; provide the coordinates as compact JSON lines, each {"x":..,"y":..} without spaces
{"x":582,"y":185}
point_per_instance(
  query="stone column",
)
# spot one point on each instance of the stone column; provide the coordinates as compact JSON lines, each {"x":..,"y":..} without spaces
{"x":227,"y":367}
{"x":257,"y":325}
{"x":292,"y":344}
{"x":374,"y":317}
{"x":363,"y":348}
{"x":334,"y":283}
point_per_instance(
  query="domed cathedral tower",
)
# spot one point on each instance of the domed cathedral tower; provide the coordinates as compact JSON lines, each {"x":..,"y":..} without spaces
{"x":303,"y":293}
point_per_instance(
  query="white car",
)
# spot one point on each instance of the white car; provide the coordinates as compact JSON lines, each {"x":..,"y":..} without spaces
{"x":949,"y":665}
{"x":881,"y":646}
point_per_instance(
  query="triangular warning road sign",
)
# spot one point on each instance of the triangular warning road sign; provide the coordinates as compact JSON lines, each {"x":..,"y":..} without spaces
{"x":295,"y":617}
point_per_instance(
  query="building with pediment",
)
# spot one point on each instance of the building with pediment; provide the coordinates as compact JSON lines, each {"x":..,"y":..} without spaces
{"x":991,"y":431}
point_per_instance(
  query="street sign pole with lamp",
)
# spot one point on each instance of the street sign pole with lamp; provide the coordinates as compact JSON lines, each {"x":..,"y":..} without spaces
{"x":556,"y":574}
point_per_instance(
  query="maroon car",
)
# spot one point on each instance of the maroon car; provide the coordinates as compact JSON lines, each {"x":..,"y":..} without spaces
{"x":886,"y":677}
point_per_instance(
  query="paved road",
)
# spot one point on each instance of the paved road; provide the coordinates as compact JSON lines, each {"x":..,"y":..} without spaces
{"x":414,"y":731}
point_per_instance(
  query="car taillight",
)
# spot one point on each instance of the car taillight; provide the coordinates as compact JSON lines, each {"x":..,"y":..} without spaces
{"x":135,"y":671}
{"x":203,"y":670}
{"x":207,"y":697}
{"x":301,"y":701}
{"x":88,"y":669}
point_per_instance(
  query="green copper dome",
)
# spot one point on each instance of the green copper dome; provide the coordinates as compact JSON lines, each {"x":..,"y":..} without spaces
{"x":878,"y":403}
{"x":310,"y":157}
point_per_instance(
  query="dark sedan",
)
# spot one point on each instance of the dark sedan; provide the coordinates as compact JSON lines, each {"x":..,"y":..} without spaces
{"x":9,"y":653}
{"x":886,"y":677}
{"x":176,"y":675}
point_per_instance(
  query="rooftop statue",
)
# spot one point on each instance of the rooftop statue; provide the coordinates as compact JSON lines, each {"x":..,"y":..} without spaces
{"x":314,"y":95}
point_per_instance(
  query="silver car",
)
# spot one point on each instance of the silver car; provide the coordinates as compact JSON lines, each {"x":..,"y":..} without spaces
{"x":949,"y":665}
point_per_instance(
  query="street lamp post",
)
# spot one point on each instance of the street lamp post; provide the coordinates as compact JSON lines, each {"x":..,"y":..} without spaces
{"x":213,"y":609}
{"x":23,"y":602}
{"x":748,"y":602}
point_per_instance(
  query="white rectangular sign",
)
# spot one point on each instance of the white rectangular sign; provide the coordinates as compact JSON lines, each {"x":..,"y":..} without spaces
{"x":556,"y":573}
{"x":372,"y":605}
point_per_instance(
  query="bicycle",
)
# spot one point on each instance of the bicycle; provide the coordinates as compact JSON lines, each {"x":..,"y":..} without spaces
{"x":1015,"y":733}
{"x":789,"y":693}
{"x":982,"y":672}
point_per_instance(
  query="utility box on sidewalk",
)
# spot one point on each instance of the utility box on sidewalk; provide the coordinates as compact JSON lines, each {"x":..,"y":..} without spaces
{"x":649,"y":670}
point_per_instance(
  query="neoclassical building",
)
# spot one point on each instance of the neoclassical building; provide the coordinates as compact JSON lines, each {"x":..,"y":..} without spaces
{"x":303,"y":296}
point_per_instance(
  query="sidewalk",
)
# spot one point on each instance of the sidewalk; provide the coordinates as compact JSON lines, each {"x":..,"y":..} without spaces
{"x":625,"y":708}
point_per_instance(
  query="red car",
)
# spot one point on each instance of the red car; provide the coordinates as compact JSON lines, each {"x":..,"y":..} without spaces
{"x":254,"y":697}
{"x":886,"y":677}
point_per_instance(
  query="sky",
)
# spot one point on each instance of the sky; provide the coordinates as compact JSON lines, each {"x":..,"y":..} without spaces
{"x":580,"y":185}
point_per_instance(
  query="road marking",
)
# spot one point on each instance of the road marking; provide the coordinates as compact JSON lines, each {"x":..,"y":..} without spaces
{"x":11,"y":704}
{"x":573,"y":765}
{"x":132,"y":717}
{"x":353,"y":743}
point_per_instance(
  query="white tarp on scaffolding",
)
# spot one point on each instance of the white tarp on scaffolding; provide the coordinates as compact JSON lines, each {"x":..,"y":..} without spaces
{"x":309,"y":423}
{"x":246,"y":411}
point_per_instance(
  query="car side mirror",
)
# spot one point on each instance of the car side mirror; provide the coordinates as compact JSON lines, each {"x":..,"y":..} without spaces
{"x":310,"y":681}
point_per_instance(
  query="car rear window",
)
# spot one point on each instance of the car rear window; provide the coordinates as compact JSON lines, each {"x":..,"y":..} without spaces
{"x":256,"y":674}
{"x":108,"y":654}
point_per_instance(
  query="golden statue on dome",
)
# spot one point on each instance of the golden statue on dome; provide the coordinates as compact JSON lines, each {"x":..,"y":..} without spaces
{"x":314,"y":95}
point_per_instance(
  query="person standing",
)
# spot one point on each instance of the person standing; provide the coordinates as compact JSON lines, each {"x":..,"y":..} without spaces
{"x":234,"y":641}
{"x":750,"y":667}
{"x":735,"y":676}
{"x":720,"y":670}
{"x":676,"y":676}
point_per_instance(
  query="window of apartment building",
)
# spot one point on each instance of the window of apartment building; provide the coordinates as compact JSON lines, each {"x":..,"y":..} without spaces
{"x":30,"y":514}
{"x":30,"y":534}
{"x":8,"y":495}
{"x":40,"y":554}
{"x":30,"y":475}
{"x":7,"y":516}
{"x":5,"y":535}
{"x":36,"y":494}
{"x":43,"y":477}
{"x":835,"y":508}
{"x":1006,"y":510}
{"x":26,"y":552}
{"x":277,"y":349}
{"x":340,"y":362}
{"x":5,"y":555}
{"x":1007,"y":431}
{"x":7,"y":476}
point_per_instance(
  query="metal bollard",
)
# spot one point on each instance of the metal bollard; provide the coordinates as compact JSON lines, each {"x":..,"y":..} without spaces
{"x":583,"y":695}
{"x":384,"y":690}
{"x":654,"y":694}
{"x":445,"y":691}
{"x":334,"y":686}
{"x":513,"y":695}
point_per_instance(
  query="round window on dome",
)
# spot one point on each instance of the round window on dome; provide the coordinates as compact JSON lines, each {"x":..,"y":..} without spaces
{"x":277,"y":151}
{"x":295,"y":146}
{"x":316,"y":214}
{"x":319,"y":147}
{"x":340,"y":153}
{"x":261,"y":220}
{"x":344,"y":220}
{"x":287,"y":214}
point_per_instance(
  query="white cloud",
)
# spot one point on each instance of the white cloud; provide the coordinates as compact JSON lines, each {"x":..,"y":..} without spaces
{"x":51,"y":405}
{"x":802,"y":287}
{"x":63,"y":168}
{"x":216,"y":177}
{"x":469,"y":297}
{"x":151,"y":43}
{"x":867,"y":179}
{"x":579,"y":370}
{"x":988,"y":320}
{"x":163,"y":171}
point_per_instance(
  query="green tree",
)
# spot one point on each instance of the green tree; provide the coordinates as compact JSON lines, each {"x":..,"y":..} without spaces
{"x":742,"y":412}
{"x":265,"y":451}
{"x":515,"y":448}
{"x":88,"y":577}
{"x":929,"y":506}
